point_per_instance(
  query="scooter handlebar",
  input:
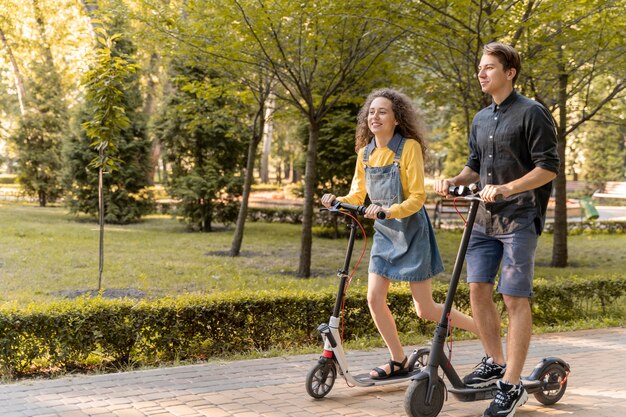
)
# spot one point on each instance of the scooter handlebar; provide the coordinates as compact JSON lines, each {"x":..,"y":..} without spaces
{"x":356,"y":209}
{"x":470,"y":190}
{"x":462,"y":190}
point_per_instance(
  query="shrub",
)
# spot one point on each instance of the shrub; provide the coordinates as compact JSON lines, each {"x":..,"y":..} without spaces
{"x":69,"y":334}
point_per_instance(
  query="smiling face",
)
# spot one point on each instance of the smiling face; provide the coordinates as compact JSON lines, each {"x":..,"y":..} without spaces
{"x":381,"y":119}
{"x":493,"y":79}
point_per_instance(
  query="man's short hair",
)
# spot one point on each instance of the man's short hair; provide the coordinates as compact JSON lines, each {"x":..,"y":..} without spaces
{"x":507,"y":55}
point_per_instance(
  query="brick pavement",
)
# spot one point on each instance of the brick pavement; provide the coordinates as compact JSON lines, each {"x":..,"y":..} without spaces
{"x":275,"y":387}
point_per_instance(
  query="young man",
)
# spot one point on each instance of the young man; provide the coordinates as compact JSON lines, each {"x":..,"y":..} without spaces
{"x":514,"y":156}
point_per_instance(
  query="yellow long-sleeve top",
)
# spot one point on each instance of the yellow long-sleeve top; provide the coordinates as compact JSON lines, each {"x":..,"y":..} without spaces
{"x":411,"y":177}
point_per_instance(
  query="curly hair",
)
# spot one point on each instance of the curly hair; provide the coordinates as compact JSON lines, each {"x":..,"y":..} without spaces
{"x":410,"y":124}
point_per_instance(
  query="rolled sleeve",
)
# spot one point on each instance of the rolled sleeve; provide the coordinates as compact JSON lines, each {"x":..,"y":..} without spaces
{"x":542,"y":139}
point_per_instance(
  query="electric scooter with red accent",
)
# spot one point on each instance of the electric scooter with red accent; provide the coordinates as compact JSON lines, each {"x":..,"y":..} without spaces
{"x":321,"y":377}
{"x":427,"y":391}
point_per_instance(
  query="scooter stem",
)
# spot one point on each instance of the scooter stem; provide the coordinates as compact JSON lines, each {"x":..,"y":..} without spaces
{"x":460,"y":259}
{"x":437,"y":356}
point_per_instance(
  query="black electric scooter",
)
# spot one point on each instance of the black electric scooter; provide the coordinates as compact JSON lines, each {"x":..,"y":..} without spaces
{"x":427,"y":391}
{"x":321,"y":377}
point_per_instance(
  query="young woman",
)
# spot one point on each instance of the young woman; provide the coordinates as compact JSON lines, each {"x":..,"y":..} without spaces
{"x":390,"y":170}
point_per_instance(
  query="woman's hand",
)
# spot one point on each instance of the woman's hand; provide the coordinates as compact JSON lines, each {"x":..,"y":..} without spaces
{"x":328,"y":200}
{"x":371,"y":212}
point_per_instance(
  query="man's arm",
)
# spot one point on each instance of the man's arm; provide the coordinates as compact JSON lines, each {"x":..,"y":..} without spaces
{"x":534,"y":179}
{"x":466,"y":177}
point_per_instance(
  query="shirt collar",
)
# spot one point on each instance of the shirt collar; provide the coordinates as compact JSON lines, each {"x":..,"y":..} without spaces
{"x":506,"y":103}
{"x":393,"y":143}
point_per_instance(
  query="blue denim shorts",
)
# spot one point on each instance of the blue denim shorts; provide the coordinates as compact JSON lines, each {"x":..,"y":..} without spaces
{"x":515,"y":251}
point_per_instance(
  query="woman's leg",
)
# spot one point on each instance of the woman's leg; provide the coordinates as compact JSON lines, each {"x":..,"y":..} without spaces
{"x":427,"y":308}
{"x":377,"y":289}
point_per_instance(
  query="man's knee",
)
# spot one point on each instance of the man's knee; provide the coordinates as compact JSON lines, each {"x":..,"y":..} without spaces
{"x":516,"y":304}
{"x":481,"y":293}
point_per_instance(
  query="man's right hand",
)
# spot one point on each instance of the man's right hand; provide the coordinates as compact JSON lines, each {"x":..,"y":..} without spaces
{"x":328,"y":200}
{"x":442,"y":187}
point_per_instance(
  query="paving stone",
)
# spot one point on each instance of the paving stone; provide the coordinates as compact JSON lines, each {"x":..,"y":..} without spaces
{"x":275,"y":387}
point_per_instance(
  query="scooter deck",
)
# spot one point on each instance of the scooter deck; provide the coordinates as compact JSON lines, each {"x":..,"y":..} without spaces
{"x":366,"y":379}
{"x":486,"y":393}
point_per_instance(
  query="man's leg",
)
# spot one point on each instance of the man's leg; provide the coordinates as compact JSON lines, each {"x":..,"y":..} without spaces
{"x":515,"y":285}
{"x":487,"y":319}
{"x":483,"y":261}
{"x":518,"y":337}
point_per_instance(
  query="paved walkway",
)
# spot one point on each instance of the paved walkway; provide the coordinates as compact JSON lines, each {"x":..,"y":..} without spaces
{"x":275,"y":387}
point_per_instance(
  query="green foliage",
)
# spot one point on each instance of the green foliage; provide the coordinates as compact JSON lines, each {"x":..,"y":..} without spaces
{"x":105,"y":92}
{"x":455,"y":148}
{"x":67,"y":334}
{"x":336,"y":155}
{"x":199,"y":127}
{"x":605,"y":157}
{"x":38,"y":140}
{"x":112,"y":136}
{"x":40,"y":134}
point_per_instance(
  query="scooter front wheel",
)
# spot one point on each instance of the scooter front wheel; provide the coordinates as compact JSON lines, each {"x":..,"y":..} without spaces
{"x":553,"y":375}
{"x":415,"y":398}
{"x":321,"y":378}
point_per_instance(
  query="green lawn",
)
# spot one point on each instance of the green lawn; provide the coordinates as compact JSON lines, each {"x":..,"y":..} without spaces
{"x":46,"y":253}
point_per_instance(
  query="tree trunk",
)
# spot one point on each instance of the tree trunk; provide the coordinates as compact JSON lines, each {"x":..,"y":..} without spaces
{"x":559,"y":243}
{"x":19,"y":82}
{"x":47,"y":53}
{"x":148,"y":110}
{"x":268,"y":132}
{"x":310,"y":175}
{"x":235,"y":247}
{"x":101,"y":224}
{"x":42,"y":198}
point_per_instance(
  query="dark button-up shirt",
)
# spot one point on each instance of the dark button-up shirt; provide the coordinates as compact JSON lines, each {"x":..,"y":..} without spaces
{"x":506,"y":142}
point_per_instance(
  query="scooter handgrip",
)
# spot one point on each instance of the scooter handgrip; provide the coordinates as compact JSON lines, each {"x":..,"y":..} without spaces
{"x":357,"y":209}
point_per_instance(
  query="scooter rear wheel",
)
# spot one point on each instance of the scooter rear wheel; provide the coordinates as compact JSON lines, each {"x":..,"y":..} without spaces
{"x":415,"y":398}
{"x":321,"y":378}
{"x":553,"y":373}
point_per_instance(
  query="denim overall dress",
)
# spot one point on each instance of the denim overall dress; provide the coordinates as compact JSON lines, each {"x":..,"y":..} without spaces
{"x":403,"y":249}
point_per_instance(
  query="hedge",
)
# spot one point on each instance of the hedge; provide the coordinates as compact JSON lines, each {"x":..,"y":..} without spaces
{"x":79,"y":333}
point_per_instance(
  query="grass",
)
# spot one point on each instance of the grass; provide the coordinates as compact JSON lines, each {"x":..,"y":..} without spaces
{"x":46,"y":253}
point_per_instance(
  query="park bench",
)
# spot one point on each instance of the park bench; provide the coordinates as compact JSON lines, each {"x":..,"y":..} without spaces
{"x":612,"y":189}
{"x":447,"y":206}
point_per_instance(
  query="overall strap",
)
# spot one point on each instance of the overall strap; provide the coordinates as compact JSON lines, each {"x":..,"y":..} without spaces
{"x":398,"y":151}
{"x":368,"y":150}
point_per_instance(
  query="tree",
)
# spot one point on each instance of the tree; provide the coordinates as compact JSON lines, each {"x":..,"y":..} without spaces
{"x":43,"y":124}
{"x":230,"y":56}
{"x":571,"y":51}
{"x":128,"y":197}
{"x":336,"y":156}
{"x":17,"y":74}
{"x":105,"y":84}
{"x":199,"y":128}
{"x":574,"y":53}
{"x":318,"y":51}
{"x":604,"y":156}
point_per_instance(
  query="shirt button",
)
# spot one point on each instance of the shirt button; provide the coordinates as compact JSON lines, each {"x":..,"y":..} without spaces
{"x":489,"y":174}
{"x":491,"y":137}
{"x":490,"y":156}
{"x":495,"y":118}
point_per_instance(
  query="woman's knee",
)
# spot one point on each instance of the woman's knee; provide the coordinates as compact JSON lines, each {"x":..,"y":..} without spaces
{"x":376,"y":301}
{"x":426,"y":310}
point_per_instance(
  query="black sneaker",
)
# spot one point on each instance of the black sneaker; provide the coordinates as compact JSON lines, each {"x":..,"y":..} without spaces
{"x":485,"y":374}
{"x":508,"y":398}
